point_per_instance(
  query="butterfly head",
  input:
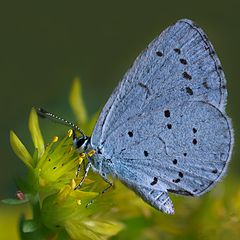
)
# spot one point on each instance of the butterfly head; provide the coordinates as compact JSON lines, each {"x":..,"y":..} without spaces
{"x":81,"y":143}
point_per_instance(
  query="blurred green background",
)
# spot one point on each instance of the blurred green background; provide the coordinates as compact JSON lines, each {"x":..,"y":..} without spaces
{"x":45,"y":44}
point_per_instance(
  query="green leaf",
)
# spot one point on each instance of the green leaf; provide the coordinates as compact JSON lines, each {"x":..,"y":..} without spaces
{"x":14,"y":201}
{"x":30,"y":226}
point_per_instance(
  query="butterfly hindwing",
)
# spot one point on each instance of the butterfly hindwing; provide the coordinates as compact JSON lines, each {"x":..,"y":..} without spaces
{"x":188,"y":158}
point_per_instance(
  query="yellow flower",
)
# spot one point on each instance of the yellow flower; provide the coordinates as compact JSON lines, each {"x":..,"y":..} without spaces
{"x":52,"y":166}
{"x":66,"y":210}
{"x":20,"y":150}
{"x":50,"y":186}
{"x":76,"y":102}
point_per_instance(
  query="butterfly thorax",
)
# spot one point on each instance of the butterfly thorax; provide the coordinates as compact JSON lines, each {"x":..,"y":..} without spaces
{"x":99,"y":163}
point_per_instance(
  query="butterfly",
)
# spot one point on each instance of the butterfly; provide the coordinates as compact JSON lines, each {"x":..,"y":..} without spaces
{"x":164,"y":128}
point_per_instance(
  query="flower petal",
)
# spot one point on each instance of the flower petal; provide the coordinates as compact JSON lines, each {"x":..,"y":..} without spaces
{"x":20,"y":149}
{"x":105,"y":228}
{"x":35,"y":132}
{"x":83,"y":195}
{"x":88,"y":128}
{"x":84,"y":228}
{"x":76,"y":102}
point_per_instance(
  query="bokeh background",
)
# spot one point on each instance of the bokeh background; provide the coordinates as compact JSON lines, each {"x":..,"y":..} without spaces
{"x":45,"y":44}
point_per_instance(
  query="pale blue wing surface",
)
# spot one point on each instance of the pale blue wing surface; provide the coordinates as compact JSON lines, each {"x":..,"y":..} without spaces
{"x":160,"y":72}
{"x":164,"y":127}
{"x":188,"y":158}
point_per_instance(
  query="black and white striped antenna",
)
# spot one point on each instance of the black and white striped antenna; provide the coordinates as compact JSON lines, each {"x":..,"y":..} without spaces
{"x":45,"y":114}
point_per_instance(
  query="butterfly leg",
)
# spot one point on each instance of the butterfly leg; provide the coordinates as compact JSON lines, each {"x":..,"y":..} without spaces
{"x":79,"y":168}
{"x":85,"y":175}
{"x":74,"y":140}
{"x":105,"y":190}
{"x":109,"y":186}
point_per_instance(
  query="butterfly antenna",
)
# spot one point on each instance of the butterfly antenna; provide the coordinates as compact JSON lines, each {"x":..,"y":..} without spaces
{"x":45,"y":114}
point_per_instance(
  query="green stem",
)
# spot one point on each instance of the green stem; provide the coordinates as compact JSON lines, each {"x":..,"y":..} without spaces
{"x":35,"y":200}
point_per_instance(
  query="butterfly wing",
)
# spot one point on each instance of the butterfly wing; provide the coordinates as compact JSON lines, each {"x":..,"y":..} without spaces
{"x":164,"y":127}
{"x":180,"y":63}
{"x":188,"y":158}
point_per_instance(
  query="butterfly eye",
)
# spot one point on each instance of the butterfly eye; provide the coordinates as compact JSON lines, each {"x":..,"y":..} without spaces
{"x":80,"y":143}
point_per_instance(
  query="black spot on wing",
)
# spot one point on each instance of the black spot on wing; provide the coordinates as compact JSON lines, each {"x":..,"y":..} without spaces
{"x":159,"y":53}
{"x":183,"y":61}
{"x":194,"y":141}
{"x":214,"y":171}
{"x":167,"y":113}
{"x":145,"y":153}
{"x":130,"y":134}
{"x":189,"y":90}
{"x":205,"y":84}
{"x":187,"y":76}
{"x":176,"y":180}
{"x":155,"y":180}
{"x":174,"y":161}
{"x":177,"y":50}
{"x":180,"y":174}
